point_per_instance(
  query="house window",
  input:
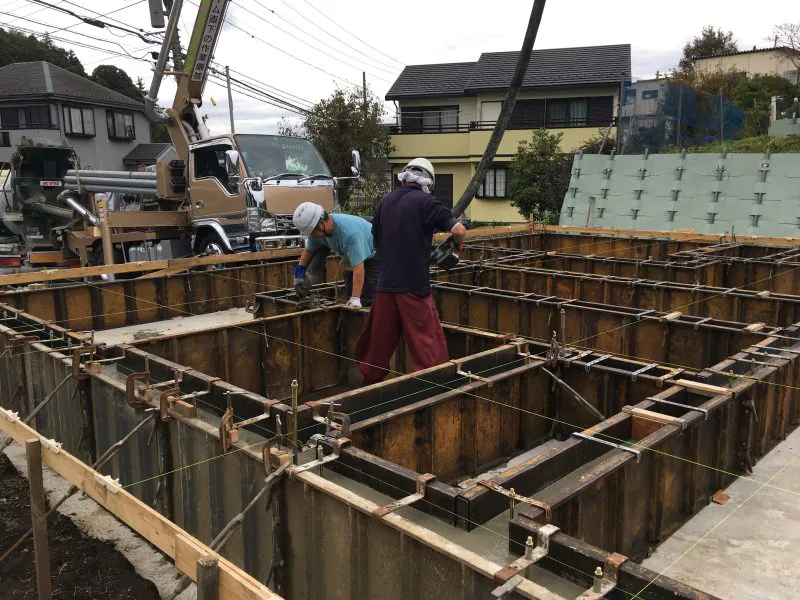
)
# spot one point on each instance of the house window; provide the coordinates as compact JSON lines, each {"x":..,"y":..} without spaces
{"x":568,"y":113}
{"x":429,"y":119}
{"x":494,"y":186}
{"x":5,"y":139}
{"x":38,"y":116}
{"x":9,"y":118}
{"x":649,"y":94}
{"x":120,"y":125}
{"x":79,"y":121}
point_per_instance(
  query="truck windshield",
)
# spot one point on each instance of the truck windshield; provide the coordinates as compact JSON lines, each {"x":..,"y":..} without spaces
{"x":270,"y":155}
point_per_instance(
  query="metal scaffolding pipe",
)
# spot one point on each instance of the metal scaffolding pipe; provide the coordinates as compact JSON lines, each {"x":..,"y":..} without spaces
{"x":143,"y":191}
{"x":84,"y":181}
{"x":72,"y":174}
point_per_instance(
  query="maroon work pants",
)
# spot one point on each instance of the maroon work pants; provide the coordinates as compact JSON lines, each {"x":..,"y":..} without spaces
{"x":391,"y":315}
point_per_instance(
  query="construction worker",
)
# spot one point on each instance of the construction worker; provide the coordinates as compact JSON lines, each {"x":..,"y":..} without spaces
{"x":402,"y":229}
{"x":350,"y":237}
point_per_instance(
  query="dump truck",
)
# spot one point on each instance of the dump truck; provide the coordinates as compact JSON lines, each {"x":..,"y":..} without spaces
{"x":217,"y":194}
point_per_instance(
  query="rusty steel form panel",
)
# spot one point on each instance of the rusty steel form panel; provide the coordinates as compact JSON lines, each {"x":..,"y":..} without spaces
{"x":729,"y":304}
{"x":671,"y":338}
{"x":705,"y":272}
{"x":575,"y":559}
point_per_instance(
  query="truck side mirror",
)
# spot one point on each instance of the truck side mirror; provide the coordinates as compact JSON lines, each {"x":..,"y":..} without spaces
{"x":356,"y":168}
{"x":232,"y":166}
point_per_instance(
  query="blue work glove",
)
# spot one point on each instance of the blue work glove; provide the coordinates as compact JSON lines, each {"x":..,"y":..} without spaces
{"x":299,"y":272}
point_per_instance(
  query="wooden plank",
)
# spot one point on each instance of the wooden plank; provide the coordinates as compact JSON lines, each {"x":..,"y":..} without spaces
{"x":163,"y":273}
{"x":704,"y":388}
{"x":152,"y":265}
{"x":154,"y":527}
{"x":653,"y":416}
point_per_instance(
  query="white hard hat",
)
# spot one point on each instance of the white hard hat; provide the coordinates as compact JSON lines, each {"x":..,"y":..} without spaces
{"x":306,"y":216}
{"x":425,"y":165}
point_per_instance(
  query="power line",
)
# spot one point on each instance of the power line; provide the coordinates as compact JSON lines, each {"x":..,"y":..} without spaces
{"x":130,"y":4}
{"x":34,"y":12}
{"x":341,"y":41}
{"x":66,"y":41}
{"x":390,"y":71}
{"x":235,"y":87}
{"x":284,"y":92}
{"x":269,"y":98}
{"x":233,"y":23}
{"x":92,"y":21}
{"x":354,"y":35}
{"x":79,"y":44}
{"x":261,"y":90}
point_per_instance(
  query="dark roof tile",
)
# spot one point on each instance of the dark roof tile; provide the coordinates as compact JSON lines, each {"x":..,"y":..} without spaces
{"x":557,"y":67}
{"x":23,"y":80}
{"x":442,"y":80}
{"x":144,"y":154}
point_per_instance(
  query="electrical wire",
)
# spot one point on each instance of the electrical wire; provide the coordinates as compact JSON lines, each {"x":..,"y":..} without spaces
{"x":327,"y":31}
{"x":94,"y":22}
{"x":312,"y":46}
{"x":400,"y":62}
{"x":235,"y":25}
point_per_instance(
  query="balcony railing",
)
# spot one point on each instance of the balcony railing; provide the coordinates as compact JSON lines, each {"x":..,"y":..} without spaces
{"x":489,"y":125}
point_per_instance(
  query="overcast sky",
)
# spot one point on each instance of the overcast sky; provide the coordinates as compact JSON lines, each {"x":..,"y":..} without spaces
{"x":380,"y":37}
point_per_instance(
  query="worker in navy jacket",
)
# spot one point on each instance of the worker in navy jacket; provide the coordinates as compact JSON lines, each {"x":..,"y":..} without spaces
{"x":402,"y":231}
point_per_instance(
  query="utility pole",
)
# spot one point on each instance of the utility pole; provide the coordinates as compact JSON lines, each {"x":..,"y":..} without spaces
{"x":230,"y":96}
{"x":680,"y":102}
{"x":364,"y":90}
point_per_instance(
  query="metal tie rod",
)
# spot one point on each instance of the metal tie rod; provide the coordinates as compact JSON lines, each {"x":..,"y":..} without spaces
{"x":634,"y":451}
{"x":684,"y":406}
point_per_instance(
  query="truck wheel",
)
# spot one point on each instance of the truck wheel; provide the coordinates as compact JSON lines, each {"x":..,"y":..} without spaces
{"x":212,"y":246}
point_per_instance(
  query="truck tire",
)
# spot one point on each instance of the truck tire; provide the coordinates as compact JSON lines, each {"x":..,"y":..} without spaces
{"x":211,"y":245}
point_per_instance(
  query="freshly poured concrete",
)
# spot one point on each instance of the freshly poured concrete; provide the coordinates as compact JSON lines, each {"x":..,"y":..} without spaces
{"x":750,"y":546}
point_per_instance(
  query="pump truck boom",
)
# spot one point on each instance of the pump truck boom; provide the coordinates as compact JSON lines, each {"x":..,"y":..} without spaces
{"x":218,"y":194}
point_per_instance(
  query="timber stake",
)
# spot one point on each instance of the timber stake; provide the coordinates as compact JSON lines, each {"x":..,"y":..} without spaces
{"x":33,"y":452}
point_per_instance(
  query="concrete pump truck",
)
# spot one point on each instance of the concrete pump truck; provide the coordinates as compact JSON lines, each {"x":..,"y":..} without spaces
{"x":217,"y":195}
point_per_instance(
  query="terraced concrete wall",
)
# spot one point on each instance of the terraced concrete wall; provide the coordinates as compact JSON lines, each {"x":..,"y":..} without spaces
{"x":749,"y":194}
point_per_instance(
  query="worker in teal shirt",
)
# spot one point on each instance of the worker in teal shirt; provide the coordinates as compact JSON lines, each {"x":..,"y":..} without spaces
{"x":350,"y":237}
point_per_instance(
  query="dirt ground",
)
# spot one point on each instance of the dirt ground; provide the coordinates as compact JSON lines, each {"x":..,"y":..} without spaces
{"x":81,"y":567}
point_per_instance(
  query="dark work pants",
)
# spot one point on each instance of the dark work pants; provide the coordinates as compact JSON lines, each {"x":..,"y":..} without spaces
{"x":394,"y":314}
{"x":371,"y":268}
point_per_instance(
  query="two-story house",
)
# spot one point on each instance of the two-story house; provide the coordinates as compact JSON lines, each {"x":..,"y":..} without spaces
{"x":446,"y":113}
{"x":41,"y":100}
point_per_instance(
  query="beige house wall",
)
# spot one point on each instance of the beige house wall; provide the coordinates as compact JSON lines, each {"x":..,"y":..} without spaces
{"x":768,"y":62}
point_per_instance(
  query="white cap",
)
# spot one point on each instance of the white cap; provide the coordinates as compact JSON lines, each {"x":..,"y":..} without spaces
{"x":306,"y":216}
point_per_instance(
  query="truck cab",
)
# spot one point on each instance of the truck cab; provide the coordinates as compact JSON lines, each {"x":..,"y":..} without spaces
{"x":244,"y":188}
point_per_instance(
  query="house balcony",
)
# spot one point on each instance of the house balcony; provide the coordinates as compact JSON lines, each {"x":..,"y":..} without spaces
{"x":467,"y":142}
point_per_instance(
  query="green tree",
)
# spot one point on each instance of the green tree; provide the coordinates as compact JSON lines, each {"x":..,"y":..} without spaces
{"x":159,"y":133}
{"x":118,"y":80}
{"x":593,"y":144}
{"x":754,"y":94}
{"x":17,"y":47}
{"x":539,"y":175}
{"x":710,"y":42}
{"x":342,"y":123}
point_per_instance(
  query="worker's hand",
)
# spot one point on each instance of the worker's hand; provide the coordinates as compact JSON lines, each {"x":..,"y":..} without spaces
{"x":459,"y":246}
{"x":354,"y":302}
{"x":299,"y":273}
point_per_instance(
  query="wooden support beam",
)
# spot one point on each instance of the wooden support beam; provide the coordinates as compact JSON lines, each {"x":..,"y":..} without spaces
{"x":162,"y":533}
{"x":704,"y":388}
{"x":41,"y":550}
{"x":152,"y":265}
{"x":208,"y":578}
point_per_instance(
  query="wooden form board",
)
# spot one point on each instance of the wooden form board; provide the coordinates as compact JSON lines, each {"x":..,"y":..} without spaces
{"x":177,"y":264}
{"x":185,"y":550}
